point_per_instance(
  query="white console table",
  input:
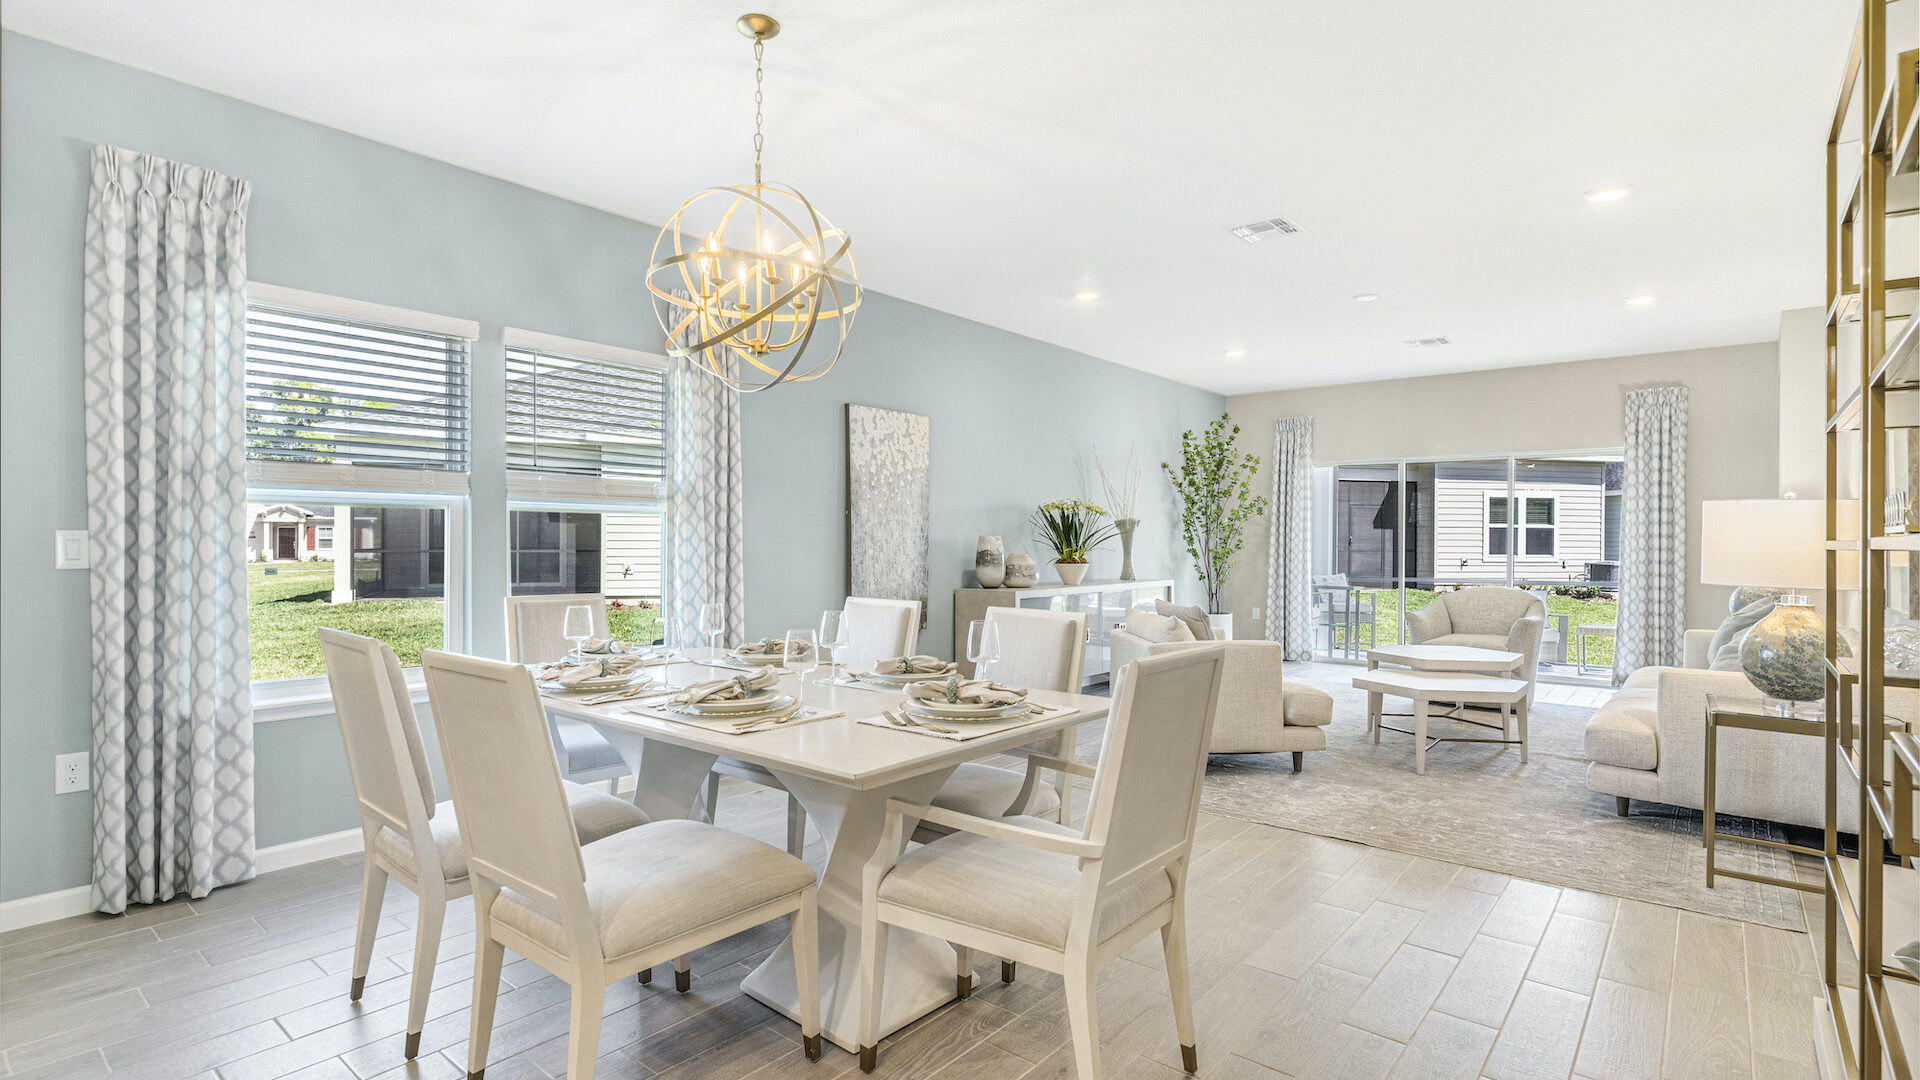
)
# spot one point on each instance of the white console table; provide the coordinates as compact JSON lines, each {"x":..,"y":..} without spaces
{"x":1105,"y":602}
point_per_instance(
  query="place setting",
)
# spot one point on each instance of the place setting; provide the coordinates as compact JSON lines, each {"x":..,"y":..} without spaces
{"x":961,"y":709}
{"x":596,"y":680}
{"x":895,"y":673}
{"x":740,"y":705}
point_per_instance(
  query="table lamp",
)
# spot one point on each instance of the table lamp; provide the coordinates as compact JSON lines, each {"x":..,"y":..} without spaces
{"x":1774,"y":543}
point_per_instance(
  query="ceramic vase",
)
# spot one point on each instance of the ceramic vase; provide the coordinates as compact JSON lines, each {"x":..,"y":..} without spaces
{"x":988,"y":565}
{"x":1786,"y":654}
{"x":1070,"y":572}
{"x":1022,"y":571}
{"x":1125,"y":527}
{"x":1221,"y":623}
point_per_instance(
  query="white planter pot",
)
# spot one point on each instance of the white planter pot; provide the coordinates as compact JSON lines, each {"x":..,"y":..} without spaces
{"x":1221,"y":623}
{"x":1071,"y":572}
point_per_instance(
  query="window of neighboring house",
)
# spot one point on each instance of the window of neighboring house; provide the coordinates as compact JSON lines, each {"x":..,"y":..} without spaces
{"x":586,"y":469}
{"x":1499,"y":526}
{"x":357,"y":430}
{"x":1538,"y":525}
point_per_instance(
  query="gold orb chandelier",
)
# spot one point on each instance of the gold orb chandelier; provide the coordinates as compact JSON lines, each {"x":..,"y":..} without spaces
{"x":743,"y":277}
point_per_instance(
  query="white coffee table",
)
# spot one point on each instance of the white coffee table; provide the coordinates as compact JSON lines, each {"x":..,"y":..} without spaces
{"x":1426,"y":687}
{"x":1445,"y":658}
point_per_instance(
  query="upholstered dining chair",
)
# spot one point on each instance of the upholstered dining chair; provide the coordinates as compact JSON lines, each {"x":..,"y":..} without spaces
{"x":1066,"y":900}
{"x":597,"y":912}
{"x":534,"y":625}
{"x":391,"y":782}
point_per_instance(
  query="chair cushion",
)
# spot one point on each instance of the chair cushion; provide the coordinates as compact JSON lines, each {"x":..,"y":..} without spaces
{"x":987,"y":791}
{"x":1622,"y":732}
{"x":1305,"y":706}
{"x":596,"y":815}
{"x":1478,"y":641}
{"x":1158,"y":629}
{"x":586,"y":748}
{"x":1194,"y":619}
{"x":1646,"y":678}
{"x":662,"y":880}
{"x":1010,"y":889}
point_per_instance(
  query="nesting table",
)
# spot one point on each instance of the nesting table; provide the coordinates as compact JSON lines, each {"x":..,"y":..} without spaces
{"x":1455,"y":674}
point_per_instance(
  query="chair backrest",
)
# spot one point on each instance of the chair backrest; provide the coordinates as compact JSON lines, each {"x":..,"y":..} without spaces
{"x":535,"y":625}
{"x":1146,"y":791}
{"x":1039,"y":650}
{"x":506,"y":784}
{"x":1490,"y":609}
{"x":385,"y":754}
{"x":879,"y":629}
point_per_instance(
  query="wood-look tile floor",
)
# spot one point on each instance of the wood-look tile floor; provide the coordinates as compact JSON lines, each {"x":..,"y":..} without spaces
{"x":1311,"y":958}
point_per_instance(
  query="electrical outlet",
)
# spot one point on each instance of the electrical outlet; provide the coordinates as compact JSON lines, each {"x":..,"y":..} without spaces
{"x":70,"y":549}
{"x":1256,"y":614}
{"x":70,"y":773}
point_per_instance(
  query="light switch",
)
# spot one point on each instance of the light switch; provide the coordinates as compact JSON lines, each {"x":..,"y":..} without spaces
{"x":70,"y":549}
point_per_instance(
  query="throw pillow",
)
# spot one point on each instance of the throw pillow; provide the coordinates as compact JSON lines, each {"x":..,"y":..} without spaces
{"x":1723,"y":652}
{"x":1157,"y":629}
{"x":1190,"y":614}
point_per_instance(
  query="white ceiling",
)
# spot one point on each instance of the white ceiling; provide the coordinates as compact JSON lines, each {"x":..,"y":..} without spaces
{"x":990,"y":157}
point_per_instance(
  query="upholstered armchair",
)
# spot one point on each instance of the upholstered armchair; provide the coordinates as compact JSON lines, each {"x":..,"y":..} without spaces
{"x":1260,"y":712}
{"x":1485,"y":617}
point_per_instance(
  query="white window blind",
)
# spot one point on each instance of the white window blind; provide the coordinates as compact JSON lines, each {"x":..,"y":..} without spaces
{"x":585,"y":423}
{"x":338,"y":402}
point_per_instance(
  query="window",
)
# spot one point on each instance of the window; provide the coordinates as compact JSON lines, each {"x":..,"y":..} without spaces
{"x":1538,"y":531}
{"x":357,"y":435}
{"x":1499,"y":526}
{"x":586,"y":469}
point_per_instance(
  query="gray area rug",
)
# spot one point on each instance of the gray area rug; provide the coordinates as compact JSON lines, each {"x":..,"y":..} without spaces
{"x":1479,"y":806}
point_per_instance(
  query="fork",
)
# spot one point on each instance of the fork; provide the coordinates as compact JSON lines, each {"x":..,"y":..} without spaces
{"x":902,"y":720}
{"x":617,"y":695}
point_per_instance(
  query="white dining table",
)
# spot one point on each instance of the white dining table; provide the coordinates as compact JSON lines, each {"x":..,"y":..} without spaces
{"x":842,"y":772}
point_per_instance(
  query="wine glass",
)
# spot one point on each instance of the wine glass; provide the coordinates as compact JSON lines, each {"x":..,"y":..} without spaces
{"x":712,"y":624}
{"x":802,"y":653}
{"x":577,"y":626}
{"x":833,"y":636}
{"x":983,"y":645}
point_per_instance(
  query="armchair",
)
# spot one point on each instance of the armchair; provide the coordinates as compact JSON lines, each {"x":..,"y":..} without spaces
{"x":1485,"y":617}
{"x":1260,"y":711}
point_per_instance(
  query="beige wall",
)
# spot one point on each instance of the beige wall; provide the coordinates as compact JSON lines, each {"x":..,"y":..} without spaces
{"x":1803,"y":402}
{"x":1733,"y":445}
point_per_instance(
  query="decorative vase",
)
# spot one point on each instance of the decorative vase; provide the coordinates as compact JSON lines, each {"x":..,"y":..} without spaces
{"x":1022,"y":571}
{"x":1747,"y":594}
{"x":1125,"y":527}
{"x":1221,"y":623}
{"x":1070,"y":572}
{"x":1786,"y":654}
{"x":987,"y":563}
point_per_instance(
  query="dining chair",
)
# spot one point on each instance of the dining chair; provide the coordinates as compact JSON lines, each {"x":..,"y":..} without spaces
{"x":393,"y":786}
{"x":1066,"y":900}
{"x":597,"y":912}
{"x":534,"y":636}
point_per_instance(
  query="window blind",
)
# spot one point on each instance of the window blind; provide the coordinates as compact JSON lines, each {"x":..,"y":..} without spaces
{"x":584,"y":428}
{"x":327,"y":397}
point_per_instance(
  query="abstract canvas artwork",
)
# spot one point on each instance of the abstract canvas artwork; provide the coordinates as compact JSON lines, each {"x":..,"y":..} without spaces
{"x":887,"y":481}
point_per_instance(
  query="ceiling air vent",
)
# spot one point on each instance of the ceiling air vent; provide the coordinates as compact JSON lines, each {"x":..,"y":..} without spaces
{"x":1255,"y":231}
{"x":1429,"y":342}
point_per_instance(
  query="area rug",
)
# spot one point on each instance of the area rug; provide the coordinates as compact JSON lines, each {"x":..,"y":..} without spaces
{"x":1479,"y":806}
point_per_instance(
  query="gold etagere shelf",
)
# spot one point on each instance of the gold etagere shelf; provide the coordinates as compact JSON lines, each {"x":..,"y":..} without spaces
{"x":1870,"y":1006}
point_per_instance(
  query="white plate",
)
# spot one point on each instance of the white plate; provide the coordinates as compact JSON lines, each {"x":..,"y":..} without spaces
{"x":898,"y":680}
{"x":756,"y":658}
{"x":758,"y":701}
{"x":943,"y":711}
{"x":599,"y":684}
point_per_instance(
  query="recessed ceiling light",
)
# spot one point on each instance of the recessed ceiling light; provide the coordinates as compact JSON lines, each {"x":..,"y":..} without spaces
{"x":1366,"y":297}
{"x":1610,"y":193}
{"x":1087,"y":296}
{"x":1236,"y":353}
{"x":1642,"y":300}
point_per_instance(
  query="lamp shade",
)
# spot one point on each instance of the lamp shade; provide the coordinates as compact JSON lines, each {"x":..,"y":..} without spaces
{"x":1777,"y":543}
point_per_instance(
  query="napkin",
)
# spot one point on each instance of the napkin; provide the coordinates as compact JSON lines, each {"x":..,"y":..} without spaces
{"x":912,"y":665}
{"x":727,"y":689}
{"x":773,"y":646}
{"x":573,"y":673}
{"x":957,"y":691}
{"x":603,"y":645}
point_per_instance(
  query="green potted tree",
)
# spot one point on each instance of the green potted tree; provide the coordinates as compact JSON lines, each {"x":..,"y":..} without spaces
{"x":1214,"y":486}
{"x":1072,"y":529}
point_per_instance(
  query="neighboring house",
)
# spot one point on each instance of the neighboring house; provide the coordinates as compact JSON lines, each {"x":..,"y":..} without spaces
{"x":285,"y":532}
{"x":395,"y":551}
{"x":614,"y":554}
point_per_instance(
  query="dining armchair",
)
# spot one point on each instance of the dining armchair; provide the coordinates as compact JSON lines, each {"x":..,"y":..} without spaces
{"x":392,"y":785}
{"x":535,"y":635}
{"x":597,"y":912}
{"x":1066,"y":900}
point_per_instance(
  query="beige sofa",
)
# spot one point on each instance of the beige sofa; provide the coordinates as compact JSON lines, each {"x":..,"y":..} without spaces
{"x":1260,"y":712}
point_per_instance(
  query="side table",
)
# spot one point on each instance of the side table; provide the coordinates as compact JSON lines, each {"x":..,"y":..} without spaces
{"x":1747,"y":715}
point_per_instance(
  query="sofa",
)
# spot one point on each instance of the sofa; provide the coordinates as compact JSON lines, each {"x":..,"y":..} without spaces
{"x":1485,"y":617}
{"x":1260,"y":711}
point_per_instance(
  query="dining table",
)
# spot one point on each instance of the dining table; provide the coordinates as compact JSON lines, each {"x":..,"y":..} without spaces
{"x":843,"y":772}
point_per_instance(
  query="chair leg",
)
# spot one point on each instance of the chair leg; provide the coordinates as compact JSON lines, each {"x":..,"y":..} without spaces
{"x":963,"y":971}
{"x":712,"y":803}
{"x":583,"y":1036}
{"x":426,"y":951}
{"x":1007,"y":971}
{"x":486,"y":988}
{"x":1621,"y":804}
{"x":682,"y":974}
{"x":373,"y":888}
{"x":1299,"y":760}
{"x":873,"y":963}
{"x":806,"y":972}
{"x":1173,"y":940}
{"x":796,"y":828}
{"x":1086,"y":1030}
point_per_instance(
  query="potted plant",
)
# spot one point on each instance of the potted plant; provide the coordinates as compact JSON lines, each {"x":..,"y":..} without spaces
{"x":1072,"y":529}
{"x":1214,"y":485}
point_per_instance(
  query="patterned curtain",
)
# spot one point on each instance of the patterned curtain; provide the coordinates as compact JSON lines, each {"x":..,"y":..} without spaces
{"x":1653,"y":532}
{"x":165,"y":333}
{"x":705,"y":538}
{"x":1289,"y":570}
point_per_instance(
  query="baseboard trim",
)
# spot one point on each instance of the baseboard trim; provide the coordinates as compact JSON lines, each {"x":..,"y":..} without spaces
{"x":66,"y":903}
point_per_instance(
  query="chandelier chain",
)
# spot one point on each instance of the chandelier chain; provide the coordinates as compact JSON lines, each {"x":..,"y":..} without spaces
{"x":759,"y":79}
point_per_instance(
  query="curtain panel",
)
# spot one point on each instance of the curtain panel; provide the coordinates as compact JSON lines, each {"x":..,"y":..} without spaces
{"x":1653,"y":534}
{"x":1289,"y":558}
{"x":164,"y":335}
{"x":706,"y":547}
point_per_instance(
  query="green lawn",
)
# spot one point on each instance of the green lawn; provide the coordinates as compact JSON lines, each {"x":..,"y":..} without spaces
{"x":1578,"y":613}
{"x":287,"y":606}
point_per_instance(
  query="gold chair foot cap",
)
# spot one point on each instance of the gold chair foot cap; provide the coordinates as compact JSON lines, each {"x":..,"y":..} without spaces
{"x":683,"y":981}
{"x":869,"y":1057}
{"x":1189,"y":1059}
{"x":1006,"y":971}
{"x":645,"y":976}
{"x":811,"y":1043}
{"x":359,"y":986}
{"x":413,"y":1045}
{"x":963,"y":986}
{"x":481,"y":1075}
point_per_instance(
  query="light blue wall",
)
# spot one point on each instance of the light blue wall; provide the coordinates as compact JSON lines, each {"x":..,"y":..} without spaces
{"x":332,"y":213}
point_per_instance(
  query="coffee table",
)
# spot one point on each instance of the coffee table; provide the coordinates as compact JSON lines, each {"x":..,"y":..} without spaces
{"x":1445,"y":658}
{"x":1427,"y":687}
